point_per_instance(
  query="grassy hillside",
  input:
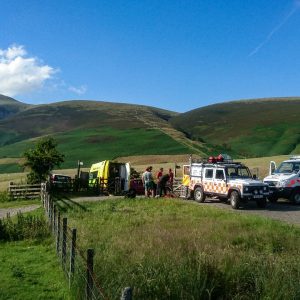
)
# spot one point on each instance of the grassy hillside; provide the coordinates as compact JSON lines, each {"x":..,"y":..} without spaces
{"x":93,"y":145}
{"x":92,"y":131}
{"x":10,"y":106}
{"x":246,"y":128}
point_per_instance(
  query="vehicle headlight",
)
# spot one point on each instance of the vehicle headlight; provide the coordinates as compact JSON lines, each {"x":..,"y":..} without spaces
{"x":283,"y":183}
{"x":246,"y":189}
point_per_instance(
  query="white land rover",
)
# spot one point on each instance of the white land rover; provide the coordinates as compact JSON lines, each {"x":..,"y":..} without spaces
{"x":226,"y":181}
{"x":284,"y":181}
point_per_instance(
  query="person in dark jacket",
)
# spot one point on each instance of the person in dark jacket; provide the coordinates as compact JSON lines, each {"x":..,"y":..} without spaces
{"x":161,"y":187}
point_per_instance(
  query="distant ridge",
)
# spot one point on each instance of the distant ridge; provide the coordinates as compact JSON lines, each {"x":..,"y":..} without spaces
{"x":257,"y":127}
{"x":10,"y":106}
{"x":96,"y":130}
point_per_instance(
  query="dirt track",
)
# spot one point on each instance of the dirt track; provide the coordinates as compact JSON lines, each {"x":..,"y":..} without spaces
{"x":13,"y":211}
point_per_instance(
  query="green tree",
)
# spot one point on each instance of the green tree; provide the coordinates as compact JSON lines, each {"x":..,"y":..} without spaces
{"x":42,"y":159}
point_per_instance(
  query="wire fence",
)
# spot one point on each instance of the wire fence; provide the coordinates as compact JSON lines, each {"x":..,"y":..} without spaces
{"x":77,"y":264}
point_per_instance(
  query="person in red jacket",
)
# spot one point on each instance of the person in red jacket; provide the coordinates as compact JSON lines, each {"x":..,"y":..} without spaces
{"x":171,"y":180}
{"x":158,"y":178}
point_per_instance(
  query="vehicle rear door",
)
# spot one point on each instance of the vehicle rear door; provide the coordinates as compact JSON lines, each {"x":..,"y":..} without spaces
{"x":220,"y":182}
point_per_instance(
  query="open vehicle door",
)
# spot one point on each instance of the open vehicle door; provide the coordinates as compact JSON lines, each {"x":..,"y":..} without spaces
{"x":272,"y":167}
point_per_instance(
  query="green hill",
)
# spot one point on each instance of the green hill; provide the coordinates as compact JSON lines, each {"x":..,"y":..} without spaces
{"x":93,"y":131}
{"x":249,"y":128}
{"x":10,"y":106}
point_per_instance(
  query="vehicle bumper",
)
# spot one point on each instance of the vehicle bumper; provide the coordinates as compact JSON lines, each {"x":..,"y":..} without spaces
{"x":284,"y":192}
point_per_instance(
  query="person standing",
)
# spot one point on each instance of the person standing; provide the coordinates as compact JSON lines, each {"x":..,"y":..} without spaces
{"x":171,"y":180}
{"x":158,"y":177}
{"x":162,"y":184}
{"x":147,"y":180}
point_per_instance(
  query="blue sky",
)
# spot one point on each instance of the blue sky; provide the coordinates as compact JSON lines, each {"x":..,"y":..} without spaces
{"x":177,"y":55}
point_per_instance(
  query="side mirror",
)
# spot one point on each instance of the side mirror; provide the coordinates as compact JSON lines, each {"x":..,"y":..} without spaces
{"x":254,"y":176}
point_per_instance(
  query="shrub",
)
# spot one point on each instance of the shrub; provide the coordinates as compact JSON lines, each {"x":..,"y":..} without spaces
{"x":26,"y":227}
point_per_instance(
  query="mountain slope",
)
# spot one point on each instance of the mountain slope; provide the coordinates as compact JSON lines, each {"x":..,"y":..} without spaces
{"x":10,"y":106}
{"x":93,"y":131}
{"x":246,"y":128}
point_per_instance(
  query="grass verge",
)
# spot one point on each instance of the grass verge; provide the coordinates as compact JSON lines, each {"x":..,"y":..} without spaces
{"x":29,"y":266}
{"x":172,"y":249}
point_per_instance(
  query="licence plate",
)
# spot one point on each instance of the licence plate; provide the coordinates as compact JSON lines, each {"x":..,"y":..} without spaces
{"x":258,"y":196}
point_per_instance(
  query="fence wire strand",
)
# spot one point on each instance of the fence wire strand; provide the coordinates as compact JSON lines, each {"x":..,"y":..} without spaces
{"x":81,"y":268}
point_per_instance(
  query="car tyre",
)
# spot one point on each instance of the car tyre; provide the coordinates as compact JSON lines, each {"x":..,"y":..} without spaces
{"x":295,"y":197}
{"x":131,"y":193}
{"x":199,"y":195}
{"x":235,"y":200}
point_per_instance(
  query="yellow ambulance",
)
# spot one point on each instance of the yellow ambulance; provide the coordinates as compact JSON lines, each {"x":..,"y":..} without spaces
{"x":110,"y":177}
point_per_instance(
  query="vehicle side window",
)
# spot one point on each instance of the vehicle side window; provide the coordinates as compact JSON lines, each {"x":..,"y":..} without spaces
{"x":209,"y":173}
{"x":219,"y":174}
{"x":186,"y":170}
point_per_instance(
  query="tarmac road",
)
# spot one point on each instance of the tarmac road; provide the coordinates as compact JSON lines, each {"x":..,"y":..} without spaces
{"x":282,"y":210}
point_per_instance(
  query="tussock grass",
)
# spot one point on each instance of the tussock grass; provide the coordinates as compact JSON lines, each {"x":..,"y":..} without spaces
{"x":171,"y":249}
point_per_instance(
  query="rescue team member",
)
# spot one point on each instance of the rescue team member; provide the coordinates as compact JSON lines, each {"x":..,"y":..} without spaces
{"x":147,"y":179}
{"x":158,"y":177}
{"x":161,"y":186}
{"x":171,"y":180}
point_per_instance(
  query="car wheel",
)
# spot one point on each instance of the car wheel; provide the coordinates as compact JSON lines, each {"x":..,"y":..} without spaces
{"x":199,"y":195}
{"x":235,"y":200}
{"x":261,"y":203}
{"x":295,"y":198}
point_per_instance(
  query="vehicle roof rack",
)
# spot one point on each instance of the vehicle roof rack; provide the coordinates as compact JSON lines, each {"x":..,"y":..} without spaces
{"x":295,"y":157}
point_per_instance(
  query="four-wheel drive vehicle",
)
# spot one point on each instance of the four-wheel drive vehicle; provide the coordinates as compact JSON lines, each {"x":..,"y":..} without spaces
{"x":60,"y":182}
{"x":225,"y":180}
{"x":110,"y":177}
{"x":284,"y":181}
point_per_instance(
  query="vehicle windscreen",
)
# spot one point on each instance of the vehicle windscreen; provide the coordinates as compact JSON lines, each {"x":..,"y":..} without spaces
{"x":93,"y":175}
{"x":288,"y":167}
{"x":238,"y":172}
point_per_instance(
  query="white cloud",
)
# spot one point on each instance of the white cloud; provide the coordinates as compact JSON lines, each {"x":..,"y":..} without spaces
{"x":78,"y":90}
{"x":20,"y":74}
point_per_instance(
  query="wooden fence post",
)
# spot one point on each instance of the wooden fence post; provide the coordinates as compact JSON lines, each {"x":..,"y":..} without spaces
{"x":54,"y":219}
{"x":72,"y":255}
{"x":64,"y":243}
{"x":126,"y":294}
{"x":89,"y":271}
{"x":50,"y":213}
{"x":48,"y":205}
{"x":58,"y":233}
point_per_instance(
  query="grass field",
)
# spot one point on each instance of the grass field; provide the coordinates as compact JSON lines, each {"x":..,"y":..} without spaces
{"x":30,"y":270}
{"x":174,"y":249}
{"x":29,"y":267}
